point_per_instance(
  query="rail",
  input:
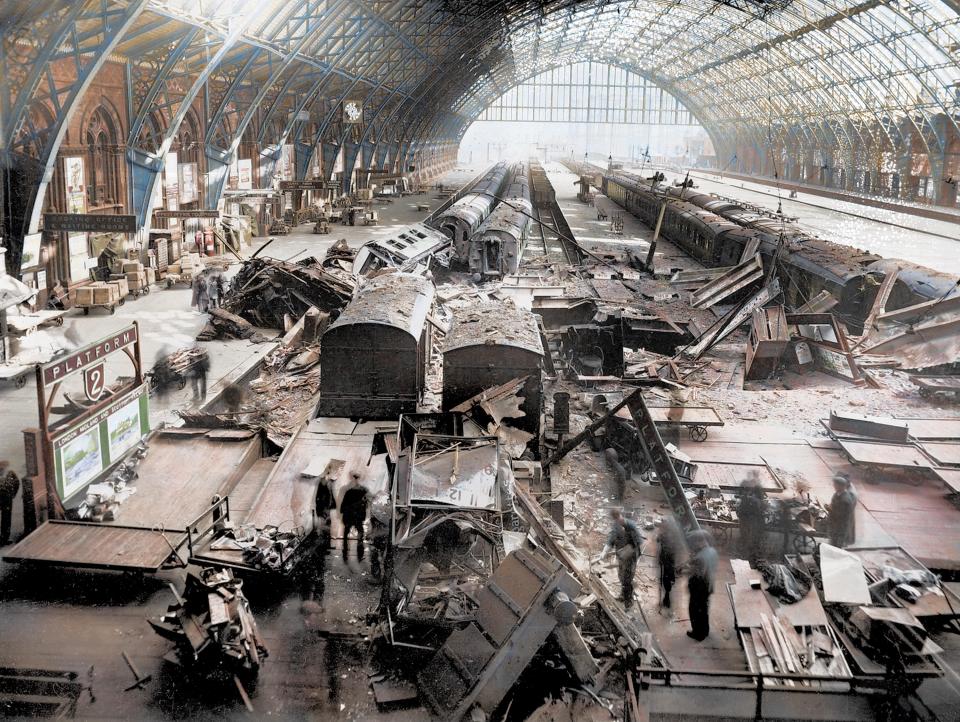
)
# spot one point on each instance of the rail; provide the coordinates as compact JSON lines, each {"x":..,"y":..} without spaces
{"x":760,"y":682}
{"x":217,"y":511}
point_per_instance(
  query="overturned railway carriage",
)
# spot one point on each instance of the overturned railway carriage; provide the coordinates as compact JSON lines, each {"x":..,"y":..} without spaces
{"x":374,"y":357}
{"x":409,"y":250}
{"x":718,"y":232}
{"x":462,"y":220}
{"x":496,"y":248}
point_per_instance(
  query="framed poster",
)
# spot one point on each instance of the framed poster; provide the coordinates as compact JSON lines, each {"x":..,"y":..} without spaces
{"x":188,"y":182}
{"x":123,"y":429}
{"x":81,"y":459}
{"x":31,"y":251}
{"x":244,"y":174}
{"x":76,"y":184}
{"x":88,"y":449}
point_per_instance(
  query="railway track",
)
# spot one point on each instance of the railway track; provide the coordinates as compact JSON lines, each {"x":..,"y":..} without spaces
{"x":551,"y":230}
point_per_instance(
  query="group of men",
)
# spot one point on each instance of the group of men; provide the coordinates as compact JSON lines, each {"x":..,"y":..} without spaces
{"x":626,"y":541}
{"x":354,"y":507}
{"x":208,"y":288}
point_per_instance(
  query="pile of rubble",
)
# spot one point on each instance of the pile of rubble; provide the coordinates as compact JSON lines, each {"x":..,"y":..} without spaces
{"x":266,"y":291}
{"x":267,"y":549}
{"x":225,"y":325}
{"x":212,"y":626}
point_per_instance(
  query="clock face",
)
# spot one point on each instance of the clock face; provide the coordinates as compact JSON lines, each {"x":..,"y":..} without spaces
{"x":352,"y":110}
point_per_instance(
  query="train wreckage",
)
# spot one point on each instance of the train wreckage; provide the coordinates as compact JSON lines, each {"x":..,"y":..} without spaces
{"x":482,"y":405}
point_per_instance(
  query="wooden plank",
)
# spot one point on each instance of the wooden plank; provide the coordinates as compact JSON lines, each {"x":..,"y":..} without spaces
{"x":720,"y":288}
{"x":684,"y":415}
{"x":101,"y":546}
{"x":808,"y":612}
{"x":287,"y":499}
{"x":749,"y":605}
{"x":179,"y":476}
{"x":879,"y":302}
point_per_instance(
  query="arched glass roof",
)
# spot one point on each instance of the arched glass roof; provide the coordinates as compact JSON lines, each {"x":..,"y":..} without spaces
{"x":424,"y":69}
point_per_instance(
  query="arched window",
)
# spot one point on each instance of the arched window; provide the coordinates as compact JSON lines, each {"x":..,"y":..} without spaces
{"x":104,"y":159}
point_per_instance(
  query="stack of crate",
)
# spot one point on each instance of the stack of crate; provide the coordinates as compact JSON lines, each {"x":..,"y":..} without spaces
{"x":97,"y":294}
{"x":136,"y":276}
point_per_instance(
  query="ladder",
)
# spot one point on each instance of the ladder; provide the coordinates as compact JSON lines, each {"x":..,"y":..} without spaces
{"x":659,"y":461}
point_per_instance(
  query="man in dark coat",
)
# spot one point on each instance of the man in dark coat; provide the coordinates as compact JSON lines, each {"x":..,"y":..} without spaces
{"x":353,"y":512}
{"x":625,"y":539}
{"x":9,"y":487}
{"x":324,"y":504}
{"x":703,"y":566}
{"x":669,"y":549}
{"x":842,"y":518}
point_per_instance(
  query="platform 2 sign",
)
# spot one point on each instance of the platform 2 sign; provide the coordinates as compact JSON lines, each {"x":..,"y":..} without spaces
{"x":89,"y":222}
{"x":56,"y":371}
{"x":82,"y":453}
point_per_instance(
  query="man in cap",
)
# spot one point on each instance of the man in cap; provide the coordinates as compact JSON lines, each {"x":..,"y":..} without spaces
{"x":842,"y":508}
{"x":9,"y":487}
{"x":625,"y":539}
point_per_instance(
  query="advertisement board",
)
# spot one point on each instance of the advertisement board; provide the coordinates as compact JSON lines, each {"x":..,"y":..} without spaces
{"x":244,"y":174}
{"x":76,"y":184}
{"x":82,"y":453}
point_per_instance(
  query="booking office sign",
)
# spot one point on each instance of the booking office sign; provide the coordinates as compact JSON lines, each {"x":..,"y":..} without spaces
{"x":85,"y":439}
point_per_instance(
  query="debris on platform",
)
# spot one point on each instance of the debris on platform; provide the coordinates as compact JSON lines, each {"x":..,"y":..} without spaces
{"x":267,"y":549}
{"x":212,"y":626}
{"x":225,"y":325}
{"x":266,"y":290}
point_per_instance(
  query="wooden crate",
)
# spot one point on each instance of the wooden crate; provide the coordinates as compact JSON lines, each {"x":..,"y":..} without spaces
{"x":84,"y":296}
{"x":105,"y":294}
{"x":123,"y":287}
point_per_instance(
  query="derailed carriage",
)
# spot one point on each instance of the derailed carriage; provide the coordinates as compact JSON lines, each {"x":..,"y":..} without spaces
{"x":718,"y":232}
{"x":462,"y":219}
{"x":497,"y":246}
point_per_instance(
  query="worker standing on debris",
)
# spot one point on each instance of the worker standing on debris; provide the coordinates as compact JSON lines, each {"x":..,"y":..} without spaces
{"x":9,"y":487}
{"x":669,"y":549}
{"x":751,"y":512}
{"x":702,"y":567}
{"x":625,"y":539}
{"x":353,"y":512}
{"x":842,"y":508}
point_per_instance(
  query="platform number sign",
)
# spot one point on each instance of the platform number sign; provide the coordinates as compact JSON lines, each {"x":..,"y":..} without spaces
{"x":93,"y":382}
